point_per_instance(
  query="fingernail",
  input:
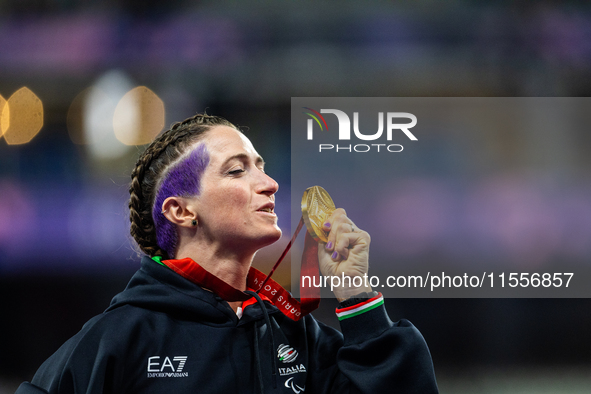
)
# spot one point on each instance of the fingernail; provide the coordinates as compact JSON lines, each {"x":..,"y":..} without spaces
{"x":334,"y":255}
{"x":329,"y":245}
{"x":327,"y":224}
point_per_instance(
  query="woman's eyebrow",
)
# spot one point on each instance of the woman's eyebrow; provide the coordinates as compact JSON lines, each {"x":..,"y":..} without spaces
{"x":243,"y":156}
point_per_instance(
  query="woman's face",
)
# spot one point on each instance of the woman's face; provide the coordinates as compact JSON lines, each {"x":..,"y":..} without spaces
{"x":236,"y":203}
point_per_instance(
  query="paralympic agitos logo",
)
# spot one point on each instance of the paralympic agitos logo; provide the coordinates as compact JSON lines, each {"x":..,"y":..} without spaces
{"x":394,"y":123}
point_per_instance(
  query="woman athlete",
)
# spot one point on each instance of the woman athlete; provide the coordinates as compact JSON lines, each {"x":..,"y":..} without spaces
{"x":191,"y":319}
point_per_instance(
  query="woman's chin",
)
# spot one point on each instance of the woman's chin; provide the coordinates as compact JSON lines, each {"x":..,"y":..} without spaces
{"x":271,"y":237}
{"x":276,"y":236}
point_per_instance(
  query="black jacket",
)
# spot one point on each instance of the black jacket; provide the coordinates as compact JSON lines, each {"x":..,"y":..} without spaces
{"x":164,"y":334}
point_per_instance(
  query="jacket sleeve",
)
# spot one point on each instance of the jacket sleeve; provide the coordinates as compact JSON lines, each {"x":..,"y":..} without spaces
{"x":86,"y":363}
{"x":374,"y":355}
{"x":28,"y":388}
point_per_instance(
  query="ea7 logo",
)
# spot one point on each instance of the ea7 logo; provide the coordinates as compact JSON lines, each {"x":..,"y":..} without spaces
{"x":392,"y":123}
{"x":157,"y":364}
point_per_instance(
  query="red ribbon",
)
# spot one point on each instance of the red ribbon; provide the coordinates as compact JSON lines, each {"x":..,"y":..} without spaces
{"x":281,"y":298}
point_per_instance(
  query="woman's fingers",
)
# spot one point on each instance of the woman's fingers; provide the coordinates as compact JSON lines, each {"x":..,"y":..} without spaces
{"x":346,"y":253}
{"x":343,"y":235}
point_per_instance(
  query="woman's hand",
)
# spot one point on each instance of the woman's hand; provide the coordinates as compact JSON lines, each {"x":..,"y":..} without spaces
{"x":346,"y":254}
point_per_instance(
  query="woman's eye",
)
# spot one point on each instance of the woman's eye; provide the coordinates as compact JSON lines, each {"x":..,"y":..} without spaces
{"x":238,"y":171}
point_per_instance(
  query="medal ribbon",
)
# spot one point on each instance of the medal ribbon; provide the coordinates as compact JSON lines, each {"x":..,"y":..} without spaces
{"x":264,"y":285}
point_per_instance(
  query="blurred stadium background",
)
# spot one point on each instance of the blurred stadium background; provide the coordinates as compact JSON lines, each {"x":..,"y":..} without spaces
{"x":84,"y":85}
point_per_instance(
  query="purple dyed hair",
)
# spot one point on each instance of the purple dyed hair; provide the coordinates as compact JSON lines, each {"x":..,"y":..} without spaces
{"x":182,"y":180}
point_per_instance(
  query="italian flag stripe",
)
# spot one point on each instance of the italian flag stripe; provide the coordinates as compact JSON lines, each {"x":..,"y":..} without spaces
{"x":360,"y":308}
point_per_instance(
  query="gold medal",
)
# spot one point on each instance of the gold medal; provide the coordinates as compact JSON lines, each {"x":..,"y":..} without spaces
{"x":317,"y":206}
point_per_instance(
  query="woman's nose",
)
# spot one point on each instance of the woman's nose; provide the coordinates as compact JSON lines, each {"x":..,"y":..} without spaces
{"x":267,"y":185}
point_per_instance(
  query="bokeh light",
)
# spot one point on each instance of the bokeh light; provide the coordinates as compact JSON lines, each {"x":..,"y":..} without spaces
{"x":2,"y":106}
{"x":22,"y":117}
{"x":98,"y":113}
{"x":139,"y":117}
{"x":75,"y":119}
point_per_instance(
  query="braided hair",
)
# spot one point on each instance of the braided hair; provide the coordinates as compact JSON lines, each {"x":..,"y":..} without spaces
{"x":154,"y":234}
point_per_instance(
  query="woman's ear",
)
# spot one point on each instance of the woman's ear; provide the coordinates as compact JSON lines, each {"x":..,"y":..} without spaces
{"x":178,"y":211}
